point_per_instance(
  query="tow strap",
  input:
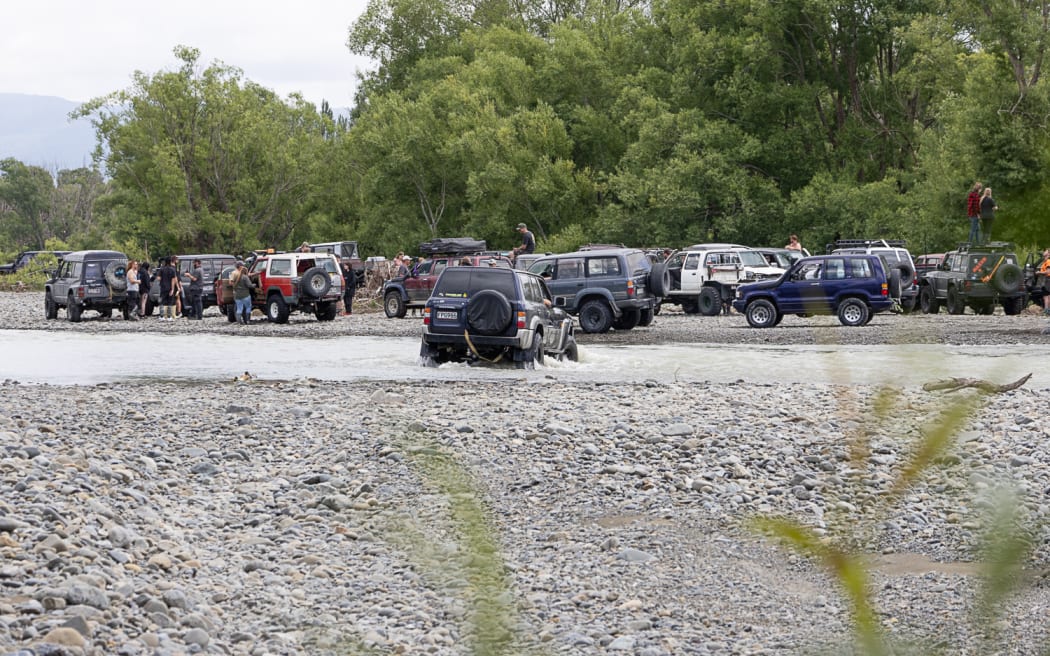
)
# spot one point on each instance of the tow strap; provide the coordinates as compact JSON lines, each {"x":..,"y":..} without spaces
{"x":470,"y":345}
{"x":994,"y":269}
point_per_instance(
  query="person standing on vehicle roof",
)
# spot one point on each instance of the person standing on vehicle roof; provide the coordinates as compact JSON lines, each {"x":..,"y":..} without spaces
{"x":528,"y":242}
{"x":988,"y":209}
{"x":973,"y":212}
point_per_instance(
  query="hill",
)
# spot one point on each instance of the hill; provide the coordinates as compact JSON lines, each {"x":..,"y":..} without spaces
{"x":36,"y":130}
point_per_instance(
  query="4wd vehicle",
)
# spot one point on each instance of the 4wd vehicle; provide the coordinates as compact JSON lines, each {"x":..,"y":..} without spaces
{"x":781,"y":257}
{"x":704,"y":278}
{"x":978,"y":276}
{"x":904,"y":283}
{"x":412,"y":291}
{"x":290,"y":282}
{"x":24,"y":258}
{"x":87,"y":280}
{"x":607,"y":288}
{"x":211,"y":265}
{"x":852,"y":286}
{"x":347,"y":253}
{"x":494,"y":314}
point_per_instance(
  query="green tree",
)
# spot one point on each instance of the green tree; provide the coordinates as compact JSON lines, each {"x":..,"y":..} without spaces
{"x":26,"y":190}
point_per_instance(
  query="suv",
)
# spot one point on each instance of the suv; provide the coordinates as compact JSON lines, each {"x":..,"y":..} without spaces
{"x":494,"y":314}
{"x":413,"y":290}
{"x":852,"y":286}
{"x":347,"y":253}
{"x":87,"y":280}
{"x":289,"y":282}
{"x":978,"y":276}
{"x":211,"y":265}
{"x":606,"y":288}
{"x":904,"y":283}
{"x":704,"y":278}
{"x":24,"y":258}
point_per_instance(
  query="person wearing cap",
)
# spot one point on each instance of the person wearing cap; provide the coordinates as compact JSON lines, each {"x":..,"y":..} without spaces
{"x":528,"y":242}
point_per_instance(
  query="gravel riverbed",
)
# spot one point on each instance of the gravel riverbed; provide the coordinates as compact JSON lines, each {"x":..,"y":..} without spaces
{"x":311,"y":517}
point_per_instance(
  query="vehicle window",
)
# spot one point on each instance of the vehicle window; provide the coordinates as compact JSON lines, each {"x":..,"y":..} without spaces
{"x":639,"y":264}
{"x":350,"y":251}
{"x":752,"y":259}
{"x":543,"y":268}
{"x":569,"y":268}
{"x":423,"y":268}
{"x":860,"y":267}
{"x":280,"y":267}
{"x":439,"y":266}
{"x":330,"y":265}
{"x":91,"y":270}
{"x":807,"y":271}
{"x":835,"y":269}
{"x":692,"y":262}
{"x":676,"y":261}
{"x":531,"y":289}
{"x":75,"y":269}
{"x":603,"y":266}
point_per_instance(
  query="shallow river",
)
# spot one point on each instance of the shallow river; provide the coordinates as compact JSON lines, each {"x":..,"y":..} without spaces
{"x":76,"y":358}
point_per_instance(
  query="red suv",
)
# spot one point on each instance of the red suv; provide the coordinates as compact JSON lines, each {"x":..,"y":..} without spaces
{"x":287,"y":282}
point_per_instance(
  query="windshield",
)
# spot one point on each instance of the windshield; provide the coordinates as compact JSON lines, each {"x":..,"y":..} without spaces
{"x":752,"y":259}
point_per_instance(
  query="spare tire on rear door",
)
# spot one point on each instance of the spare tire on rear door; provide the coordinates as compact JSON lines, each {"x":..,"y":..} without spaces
{"x":1007,"y":278}
{"x":488,"y":312}
{"x":316,"y":282}
{"x":659,"y":279}
{"x":116,"y":275}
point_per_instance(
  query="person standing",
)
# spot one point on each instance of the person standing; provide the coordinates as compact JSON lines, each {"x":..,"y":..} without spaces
{"x":988,"y":209}
{"x":131,"y":299}
{"x":144,"y":285}
{"x":528,"y":241}
{"x":794,"y":244}
{"x":196,"y":290}
{"x":178,"y":287}
{"x":349,"y":288}
{"x":402,"y":265}
{"x":1044,"y":277}
{"x":168,"y":281}
{"x":242,"y":293}
{"x":973,"y":212}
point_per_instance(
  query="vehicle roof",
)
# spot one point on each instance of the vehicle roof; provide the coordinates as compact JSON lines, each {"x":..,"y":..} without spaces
{"x":599,"y":252}
{"x":333,"y":243}
{"x":713,"y":246}
{"x":93,"y":255}
{"x":208,"y":255}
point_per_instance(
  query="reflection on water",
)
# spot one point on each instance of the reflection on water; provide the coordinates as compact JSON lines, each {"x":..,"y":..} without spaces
{"x":66,"y":358}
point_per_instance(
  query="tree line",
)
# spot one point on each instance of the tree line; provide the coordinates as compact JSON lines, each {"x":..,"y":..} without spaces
{"x":656,"y":123}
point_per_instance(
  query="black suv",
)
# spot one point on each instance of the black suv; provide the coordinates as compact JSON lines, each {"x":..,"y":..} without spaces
{"x":852,"y":286}
{"x":211,"y":265}
{"x":88,"y":280}
{"x":24,"y":258}
{"x":979,"y":276}
{"x":606,"y":288}
{"x":493,"y":314}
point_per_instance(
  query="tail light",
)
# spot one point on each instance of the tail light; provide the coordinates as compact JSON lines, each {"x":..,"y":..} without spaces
{"x":80,"y":292}
{"x":521,"y":320}
{"x":885,"y":289}
{"x":426,"y":316}
{"x":630,"y":288}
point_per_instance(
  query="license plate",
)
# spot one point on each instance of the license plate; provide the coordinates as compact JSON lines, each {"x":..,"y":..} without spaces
{"x":450,"y":315}
{"x":96,"y":290}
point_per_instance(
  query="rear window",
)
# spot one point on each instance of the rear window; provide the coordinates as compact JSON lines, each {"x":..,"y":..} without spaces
{"x":639,"y":264}
{"x":461,"y":282}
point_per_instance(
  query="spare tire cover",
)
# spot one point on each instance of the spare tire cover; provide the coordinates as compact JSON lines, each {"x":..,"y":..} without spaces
{"x":1007,"y":278}
{"x":488,"y":312}
{"x":316,"y":282}
{"x":116,"y":276}
{"x":895,"y":284}
{"x":907,"y":272}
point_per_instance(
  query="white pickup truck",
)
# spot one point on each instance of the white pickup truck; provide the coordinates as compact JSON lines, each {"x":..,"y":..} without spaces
{"x":705,"y":279}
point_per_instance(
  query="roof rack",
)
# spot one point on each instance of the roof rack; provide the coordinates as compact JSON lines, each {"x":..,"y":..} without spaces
{"x":993,"y":246}
{"x":865,"y":243}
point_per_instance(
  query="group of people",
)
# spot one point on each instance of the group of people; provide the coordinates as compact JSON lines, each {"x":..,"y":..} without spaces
{"x":980,"y":210}
{"x":172,"y":289}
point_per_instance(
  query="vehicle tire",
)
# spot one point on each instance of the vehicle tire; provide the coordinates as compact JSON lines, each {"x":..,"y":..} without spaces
{"x":571,"y":352}
{"x":595,"y":317}
{"x":908,"y":305}
{"x":73,"y":311}
{"x":762,"y":314}
{"x":533,"y":355}
{"x":983,"y":308}
{"x":690,"y":306}
{"x":906,"y":272}
{"x":149,"y":308}
{"x":628,"y":319}
{"x":895,"y":284}
{"x":659,"y":280}
{"x":488,"y":313}
{"x":853,"y":312}
{"x":1014,"y":306}
{"x":710,"y":302}
{"x":928,"y":302}
{"x":325,"y":311}
{"x":231,"y":313}
{"x":1007,"y":279}
{"x":647,"y":317}
{"x":276,"y":309}
{"x":954,"y":303}
{"x":50,"y":307}
{"x":315,"y":283}
{"x":393,"y":305}
{"x":116,"y":276}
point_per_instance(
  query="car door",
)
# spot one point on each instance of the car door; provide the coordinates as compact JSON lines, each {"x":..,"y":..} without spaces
{"x":419,"y":285}
{"x":690,"y":278}
{"x":797,"y":288}
{"x":566,"y":281}
{"x":60,"y":289}
{"x":834,"y":281}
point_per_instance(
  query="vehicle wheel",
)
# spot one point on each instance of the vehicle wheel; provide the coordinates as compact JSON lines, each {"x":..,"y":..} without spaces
{"x":690,"y":305}
{"x":647,"y":317}
{"x":895,"y":284}
{"x":149,"y":308}
{"x":73,"y":310}
{"x":853,"y":312}
{"x":231,"y":313}
{"x":595,"y":317}
{"x":659,"y":280}
{"x":1007,"y":279}
{"x":394,"y":305}
{"x":953,"y":303}
{"x":629,"y":319}
{"x":325,"y":311}
{"x":983,"y":308}
{"x":571,"y":352}
{"x":927,"y":301}
{"x":534,"y":355}
{"x":50,"y":307}
{"x":315,"y":282}
{"x":276,"y":309}
{"x":488,"y":312}
{"x":116,"y":276}
{"x":761,"y":314}
{"x":1014,"y":306}
{"x":710,"y":302}
{"x":908,"y":304}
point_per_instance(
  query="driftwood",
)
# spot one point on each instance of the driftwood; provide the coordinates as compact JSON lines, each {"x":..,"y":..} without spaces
{"x":955,"y":384}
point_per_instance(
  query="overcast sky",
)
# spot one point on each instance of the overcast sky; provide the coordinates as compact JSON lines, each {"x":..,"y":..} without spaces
{"x":78,"y":50}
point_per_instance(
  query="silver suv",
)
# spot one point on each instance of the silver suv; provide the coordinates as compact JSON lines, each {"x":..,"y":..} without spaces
{"x":88,"y":280}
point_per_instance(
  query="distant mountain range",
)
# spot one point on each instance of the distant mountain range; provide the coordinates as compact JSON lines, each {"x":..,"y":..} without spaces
{"x":36,"y":130}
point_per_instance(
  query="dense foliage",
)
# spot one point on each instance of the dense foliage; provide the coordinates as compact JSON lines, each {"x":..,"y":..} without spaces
{"x":660,"y":123}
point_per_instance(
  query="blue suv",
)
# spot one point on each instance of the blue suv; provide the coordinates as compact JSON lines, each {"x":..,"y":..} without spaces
{"x":852,"y":286}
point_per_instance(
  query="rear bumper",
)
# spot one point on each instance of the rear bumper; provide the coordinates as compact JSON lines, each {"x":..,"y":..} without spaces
{"x":522,"y":340}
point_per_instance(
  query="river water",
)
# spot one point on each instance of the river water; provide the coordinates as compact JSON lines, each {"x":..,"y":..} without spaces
{"x":67,"y":358}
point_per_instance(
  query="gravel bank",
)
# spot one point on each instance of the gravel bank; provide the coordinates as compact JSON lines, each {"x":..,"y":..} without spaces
{"x":306,"y":517}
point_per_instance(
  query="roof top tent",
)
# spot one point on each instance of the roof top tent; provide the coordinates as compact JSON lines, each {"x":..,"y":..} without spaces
{"x":452,"y":246}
